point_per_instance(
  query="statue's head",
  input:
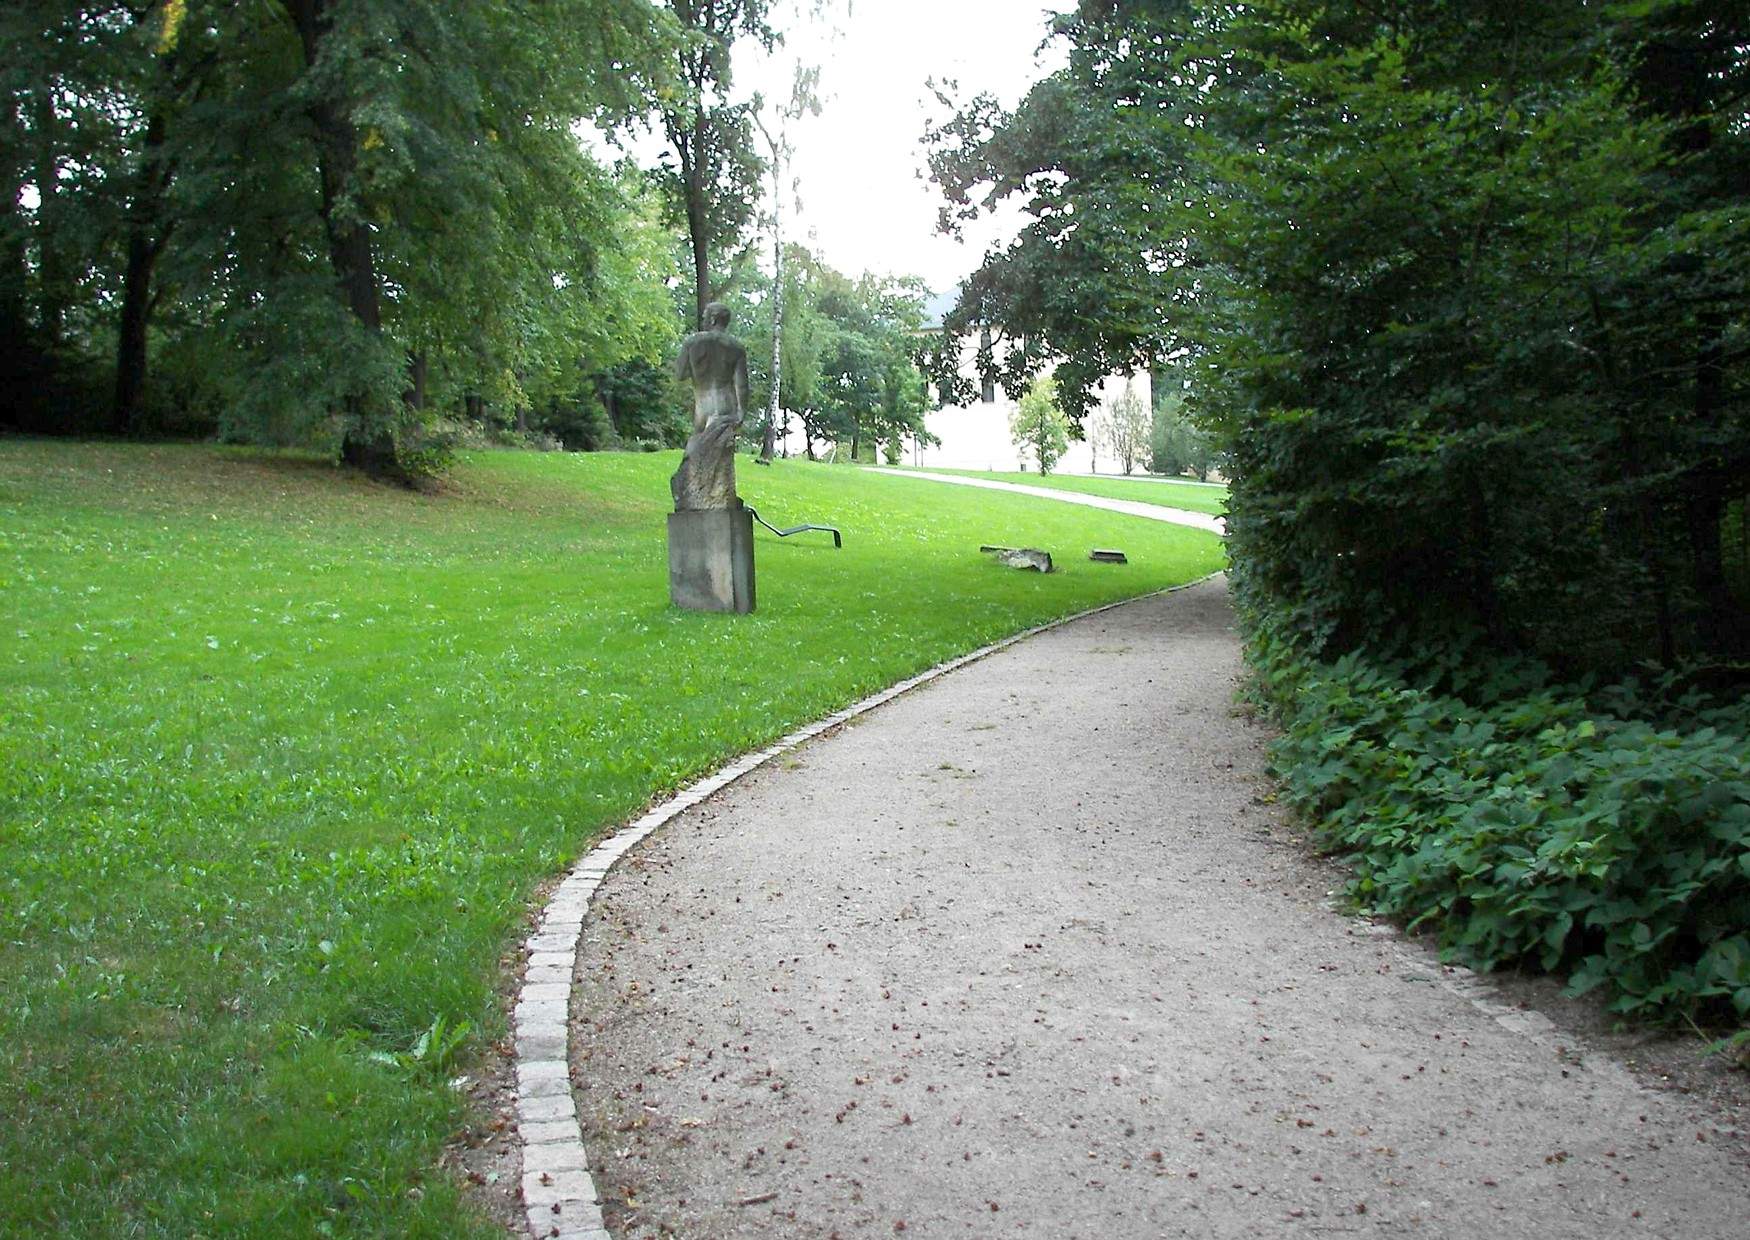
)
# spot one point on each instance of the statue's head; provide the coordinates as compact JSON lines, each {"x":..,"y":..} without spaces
{"x":716,"y":317}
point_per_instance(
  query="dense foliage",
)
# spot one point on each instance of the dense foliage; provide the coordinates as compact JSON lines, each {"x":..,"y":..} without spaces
{"x":1462,"y":290}
{"x":1176,"y":444}
{"x":847,"y":374}
{"x":1462,"y":286}
{"x":321,"y":220}
{"x":713,"y":177}
{"x":1525,"y":824}
{"x":366,"y":224}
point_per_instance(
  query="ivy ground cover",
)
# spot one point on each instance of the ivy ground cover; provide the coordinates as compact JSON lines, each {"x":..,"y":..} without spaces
{"x":284,"y":755}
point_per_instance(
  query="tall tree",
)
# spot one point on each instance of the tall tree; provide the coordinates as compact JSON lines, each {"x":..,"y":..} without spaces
{"x":1038,"y":426}
{"x":424,"y":151}
{"x":715,"y":181}
{"x":804,"y":100}
{"x":1125,"y":429}
{"x":179,"y":57}
{"x":1458,"y":283}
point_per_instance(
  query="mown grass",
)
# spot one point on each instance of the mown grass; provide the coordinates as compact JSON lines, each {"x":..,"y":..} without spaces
{"x":283,"y":755}
{"x":1163,"y":492}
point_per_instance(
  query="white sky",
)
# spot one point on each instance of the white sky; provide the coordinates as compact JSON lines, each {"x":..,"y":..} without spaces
{"x":860,"y":162}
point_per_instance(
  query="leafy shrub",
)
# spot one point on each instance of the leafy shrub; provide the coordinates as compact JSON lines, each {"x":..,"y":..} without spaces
{"x":579,"y":423}
{"x":1529,"y":823}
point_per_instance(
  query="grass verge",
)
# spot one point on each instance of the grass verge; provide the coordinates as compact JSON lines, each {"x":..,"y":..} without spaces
{"x":283,"y":755}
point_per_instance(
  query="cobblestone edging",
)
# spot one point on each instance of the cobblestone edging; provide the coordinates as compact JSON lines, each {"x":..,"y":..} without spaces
{"x":559,"y":1194}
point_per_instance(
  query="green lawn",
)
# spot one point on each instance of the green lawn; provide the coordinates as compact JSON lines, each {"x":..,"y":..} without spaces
{"x":283,"y":755}
{"x":1164,"y":492}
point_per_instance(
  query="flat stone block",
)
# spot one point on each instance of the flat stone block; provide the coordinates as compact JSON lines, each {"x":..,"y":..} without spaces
{"x":710,"y":560}
{"x":543,"y":1078}
{"x":546,"y":992}
{"x":559,"y":1088}
{"x":551,"y":1132}
{"x":554,"y":1160}
{"x":541,"y":1042}
{"x":545,"y":1188}
{"x":531,"y":1012}
{"x":565,"y":941}
{"x":545,"y":1110}
{"x":572,"y":1218}
{"x":548,"y":974}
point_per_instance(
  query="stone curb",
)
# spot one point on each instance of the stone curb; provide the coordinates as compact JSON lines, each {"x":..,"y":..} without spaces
{"x":559,"y":1194}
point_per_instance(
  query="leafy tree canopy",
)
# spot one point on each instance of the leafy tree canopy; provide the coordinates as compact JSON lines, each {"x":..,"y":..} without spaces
{"x":1462,"y":288}
{"x":1038,"y":425}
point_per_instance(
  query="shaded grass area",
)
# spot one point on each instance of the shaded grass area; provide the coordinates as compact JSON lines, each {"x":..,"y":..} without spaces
{"x":283,"y":755}
{"x":1164,"y":492}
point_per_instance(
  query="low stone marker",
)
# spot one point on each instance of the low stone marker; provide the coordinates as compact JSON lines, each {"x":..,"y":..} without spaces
{"x":1026,"y":557}
{"x":1104,"y":555}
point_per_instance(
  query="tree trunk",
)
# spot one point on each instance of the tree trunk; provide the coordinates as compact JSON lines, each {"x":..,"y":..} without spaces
{"x":365,"y":447}
{"x":769,"y":442}
{"x":130,"y":347}
{"x":768,"y":446}
{"x":698,"y":225}
{"x":417,"y":366}
{"x":146,"y":238}
{"x":349,"y":241}
{"x":1675,"y":80}
{"x":1479,"y":553}
{"x":51,"y":270}
{"x":605,"y":393}
{"x":14,"y":265}
{"x":1706,"y":489}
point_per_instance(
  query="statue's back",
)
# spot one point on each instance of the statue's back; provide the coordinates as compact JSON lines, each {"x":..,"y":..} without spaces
{"x":714,"y":360}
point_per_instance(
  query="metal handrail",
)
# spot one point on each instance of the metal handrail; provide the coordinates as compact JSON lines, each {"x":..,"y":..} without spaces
{"x":838,"y":540}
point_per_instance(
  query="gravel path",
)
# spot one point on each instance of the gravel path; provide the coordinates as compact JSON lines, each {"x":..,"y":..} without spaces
{"x":1130,"y":507}
{"x":1025,"y":953}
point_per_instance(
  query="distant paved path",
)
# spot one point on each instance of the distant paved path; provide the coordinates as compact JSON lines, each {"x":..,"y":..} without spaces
{"x":1021,"y":953}
{"x":1131,"y":507}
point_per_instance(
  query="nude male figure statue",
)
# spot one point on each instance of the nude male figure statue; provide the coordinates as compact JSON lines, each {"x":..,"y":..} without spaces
{"x":716,"y":362}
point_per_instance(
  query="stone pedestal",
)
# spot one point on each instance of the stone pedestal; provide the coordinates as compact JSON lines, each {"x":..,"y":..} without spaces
{"x":710,"y":559}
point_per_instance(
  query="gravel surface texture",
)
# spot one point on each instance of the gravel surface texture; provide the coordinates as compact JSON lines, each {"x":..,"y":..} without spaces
{"x":1028,"y":952}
